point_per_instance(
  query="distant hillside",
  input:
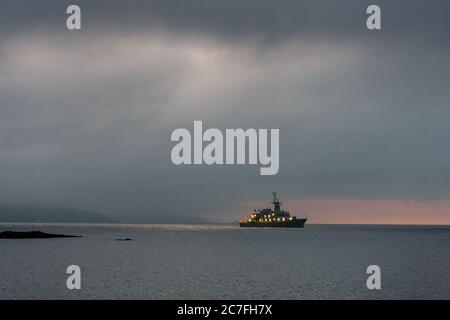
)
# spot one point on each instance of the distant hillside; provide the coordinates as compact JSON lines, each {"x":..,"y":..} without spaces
{"x":161,"y":219}
{"x":28,"y":214}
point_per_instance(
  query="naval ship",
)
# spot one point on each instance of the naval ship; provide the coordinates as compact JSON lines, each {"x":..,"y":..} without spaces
{"x":273,"y":218}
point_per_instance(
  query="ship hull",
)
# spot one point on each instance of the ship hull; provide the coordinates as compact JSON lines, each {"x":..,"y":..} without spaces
{"x":297,"y":223}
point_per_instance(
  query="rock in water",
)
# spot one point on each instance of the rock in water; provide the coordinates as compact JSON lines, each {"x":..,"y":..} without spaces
{"x":32,"y":235}
{"x":124,"y":239}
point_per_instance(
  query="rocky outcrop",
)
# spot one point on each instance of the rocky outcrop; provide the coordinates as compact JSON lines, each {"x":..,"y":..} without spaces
{"x":32,"y":235}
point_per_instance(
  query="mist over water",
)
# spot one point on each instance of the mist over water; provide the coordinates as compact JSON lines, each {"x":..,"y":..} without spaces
{"x":228,"y":262}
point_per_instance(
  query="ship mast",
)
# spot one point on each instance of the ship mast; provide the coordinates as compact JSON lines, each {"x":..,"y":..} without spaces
{"x":276,"y":203}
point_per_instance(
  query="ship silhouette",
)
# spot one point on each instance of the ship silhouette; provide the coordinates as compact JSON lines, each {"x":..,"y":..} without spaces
{"x":272,"y":218}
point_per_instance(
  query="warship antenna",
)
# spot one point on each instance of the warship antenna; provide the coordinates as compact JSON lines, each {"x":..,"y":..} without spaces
{"x":275,"y":199}
{"x":276,"y":203}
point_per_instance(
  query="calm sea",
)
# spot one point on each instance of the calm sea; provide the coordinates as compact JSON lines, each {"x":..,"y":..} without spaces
{"x":227,"y":262}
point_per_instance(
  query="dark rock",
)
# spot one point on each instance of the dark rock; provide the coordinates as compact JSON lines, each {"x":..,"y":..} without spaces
{"x":32,"y":235}
{"x":124,"y":239}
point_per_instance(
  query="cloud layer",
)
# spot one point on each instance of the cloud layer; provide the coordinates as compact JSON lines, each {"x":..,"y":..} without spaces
{"x":86,"y":117}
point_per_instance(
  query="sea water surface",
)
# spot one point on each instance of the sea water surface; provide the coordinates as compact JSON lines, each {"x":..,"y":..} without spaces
{"x":227,"y":262}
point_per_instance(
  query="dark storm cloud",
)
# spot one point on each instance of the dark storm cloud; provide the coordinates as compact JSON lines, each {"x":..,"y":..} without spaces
{"x":86,"y":116}
{"x":268,"y":19}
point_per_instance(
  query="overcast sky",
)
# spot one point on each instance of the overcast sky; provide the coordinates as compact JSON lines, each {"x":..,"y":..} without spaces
{"x":364,"y":116}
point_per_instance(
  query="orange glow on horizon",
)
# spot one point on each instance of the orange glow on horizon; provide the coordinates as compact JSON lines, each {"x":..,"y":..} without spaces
{"x":368,"y":211}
